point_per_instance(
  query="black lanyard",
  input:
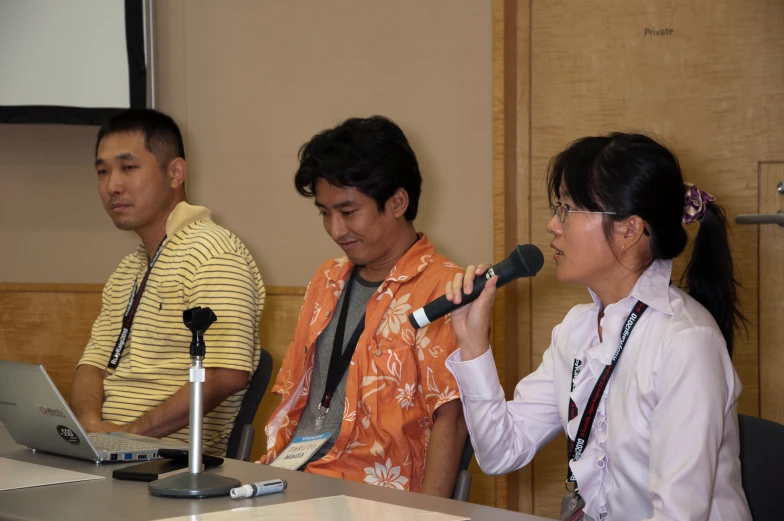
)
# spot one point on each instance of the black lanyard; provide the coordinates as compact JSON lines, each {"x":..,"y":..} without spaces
{"x":130,"y":311}
{"x":575,"y":448}
{"x":340,"y":359}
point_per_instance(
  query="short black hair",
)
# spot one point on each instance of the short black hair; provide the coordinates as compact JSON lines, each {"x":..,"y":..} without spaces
{"x":370,"y":154}
{"x":162,"y":136}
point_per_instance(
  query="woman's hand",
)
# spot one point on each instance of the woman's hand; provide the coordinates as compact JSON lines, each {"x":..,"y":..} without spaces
{"x":471,"y":323}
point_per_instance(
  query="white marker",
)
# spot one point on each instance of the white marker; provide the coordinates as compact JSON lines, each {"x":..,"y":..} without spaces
{"x":259,"y":489}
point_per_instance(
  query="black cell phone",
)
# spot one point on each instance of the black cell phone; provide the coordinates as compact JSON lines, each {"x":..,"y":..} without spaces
{"x":181,"y":455}
{"x":151,"y":470}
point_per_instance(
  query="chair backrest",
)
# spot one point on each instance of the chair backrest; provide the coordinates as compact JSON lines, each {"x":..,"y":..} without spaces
{"x":250,"y":402}
{"x":468,"y":453}
{"x":761,"y":460}
{"x":463,"y":483}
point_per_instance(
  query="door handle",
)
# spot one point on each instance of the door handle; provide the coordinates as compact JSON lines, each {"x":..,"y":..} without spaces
{"x":762,"y":218}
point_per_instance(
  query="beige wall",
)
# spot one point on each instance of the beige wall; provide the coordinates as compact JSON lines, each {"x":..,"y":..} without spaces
{"x":52,"y":225}
{"x":249,"y":82}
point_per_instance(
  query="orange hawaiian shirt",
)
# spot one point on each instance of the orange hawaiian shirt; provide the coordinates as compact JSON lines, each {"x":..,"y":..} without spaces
{"x":396,"y":379}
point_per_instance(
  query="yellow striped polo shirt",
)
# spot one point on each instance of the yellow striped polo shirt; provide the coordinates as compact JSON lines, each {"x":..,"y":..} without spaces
{"x":201,"y":264}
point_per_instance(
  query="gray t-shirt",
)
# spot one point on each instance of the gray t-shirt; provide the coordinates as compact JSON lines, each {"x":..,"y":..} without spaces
{"x":361,"y":291}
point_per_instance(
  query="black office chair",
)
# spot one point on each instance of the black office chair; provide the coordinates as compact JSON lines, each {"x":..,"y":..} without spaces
{"x":241,"y":437}
{"x":463,"y":483}
{"x":761,"y":461}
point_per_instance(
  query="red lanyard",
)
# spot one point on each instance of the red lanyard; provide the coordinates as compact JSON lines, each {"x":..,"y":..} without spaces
{"x":575,"y":448}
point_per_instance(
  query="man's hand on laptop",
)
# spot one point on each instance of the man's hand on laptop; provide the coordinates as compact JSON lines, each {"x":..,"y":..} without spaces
{"x":102,"y":426}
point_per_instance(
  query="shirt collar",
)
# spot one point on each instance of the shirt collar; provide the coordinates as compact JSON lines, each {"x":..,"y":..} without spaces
{"x":653,"y":287}
{"x":183,"y":215}
{"x":413,"y":262}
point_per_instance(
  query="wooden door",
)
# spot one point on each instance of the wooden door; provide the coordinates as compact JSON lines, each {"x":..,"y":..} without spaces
{"x":771,"y":293}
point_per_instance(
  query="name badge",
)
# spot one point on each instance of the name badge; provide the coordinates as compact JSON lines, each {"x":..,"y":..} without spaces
{"x":300,"y":450}
{"x":572,"y":507}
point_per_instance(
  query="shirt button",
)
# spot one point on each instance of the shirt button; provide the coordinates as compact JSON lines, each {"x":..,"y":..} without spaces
{"x":327,"y":312}
{"x":378,"y":352}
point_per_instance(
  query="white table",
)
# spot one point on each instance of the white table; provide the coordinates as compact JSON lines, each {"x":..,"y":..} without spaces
{"x":118,"y":500}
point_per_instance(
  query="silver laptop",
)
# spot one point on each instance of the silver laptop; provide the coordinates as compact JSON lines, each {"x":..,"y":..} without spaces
{"x":36,"y":415}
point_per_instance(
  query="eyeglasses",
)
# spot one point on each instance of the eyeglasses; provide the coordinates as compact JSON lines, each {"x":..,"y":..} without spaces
{"x":562,"y":210}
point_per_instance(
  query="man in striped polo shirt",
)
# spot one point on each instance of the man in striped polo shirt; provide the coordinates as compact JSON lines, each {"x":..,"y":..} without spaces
{"x":133,"y":375}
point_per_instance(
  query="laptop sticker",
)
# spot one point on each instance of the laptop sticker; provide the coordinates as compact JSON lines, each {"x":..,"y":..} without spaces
{"x":51,"y":411}
{"x":68,"y":435}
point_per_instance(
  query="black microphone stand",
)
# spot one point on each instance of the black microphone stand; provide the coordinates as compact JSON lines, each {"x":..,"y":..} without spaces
{"x":194,"y":483}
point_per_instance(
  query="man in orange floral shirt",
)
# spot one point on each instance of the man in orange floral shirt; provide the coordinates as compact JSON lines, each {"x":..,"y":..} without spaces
{"x":380,"y":397}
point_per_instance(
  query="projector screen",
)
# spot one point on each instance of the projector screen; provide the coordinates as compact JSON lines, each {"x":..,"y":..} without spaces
{"x":75,"y":61}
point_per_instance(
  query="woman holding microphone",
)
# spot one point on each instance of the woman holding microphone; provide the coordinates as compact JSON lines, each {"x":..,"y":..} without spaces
{"x":640,"y":379}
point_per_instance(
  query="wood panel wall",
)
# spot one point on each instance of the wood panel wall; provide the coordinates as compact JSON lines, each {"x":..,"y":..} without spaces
{"x":48,"y":324}
{"x":503,"y":329}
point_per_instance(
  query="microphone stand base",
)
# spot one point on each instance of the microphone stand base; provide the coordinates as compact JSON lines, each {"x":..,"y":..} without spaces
{"x":187,"y":485}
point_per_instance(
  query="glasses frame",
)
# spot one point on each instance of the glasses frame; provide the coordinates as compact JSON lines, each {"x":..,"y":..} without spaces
{"x":561,"y":215}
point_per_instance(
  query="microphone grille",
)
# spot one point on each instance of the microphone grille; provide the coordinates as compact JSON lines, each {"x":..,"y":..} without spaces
{"x":528,"y":259}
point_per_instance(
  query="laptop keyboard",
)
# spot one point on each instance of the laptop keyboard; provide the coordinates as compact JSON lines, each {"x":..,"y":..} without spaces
{"x":114,"y":444}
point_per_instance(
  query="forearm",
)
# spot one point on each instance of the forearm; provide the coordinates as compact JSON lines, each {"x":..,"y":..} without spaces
{"x":447,"y":440}
{"x":87,"y":394}
{"x":174,"y":413}
{"x":506,"y":434}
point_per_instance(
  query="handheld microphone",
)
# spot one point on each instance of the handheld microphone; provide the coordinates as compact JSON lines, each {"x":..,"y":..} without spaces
{"x":525,"y":261}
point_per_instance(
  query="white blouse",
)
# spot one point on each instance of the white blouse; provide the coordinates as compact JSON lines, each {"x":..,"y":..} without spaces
{"x":664,"y":443}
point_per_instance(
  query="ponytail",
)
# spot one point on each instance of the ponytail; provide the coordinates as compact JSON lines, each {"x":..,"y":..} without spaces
{"x":710,"y":274}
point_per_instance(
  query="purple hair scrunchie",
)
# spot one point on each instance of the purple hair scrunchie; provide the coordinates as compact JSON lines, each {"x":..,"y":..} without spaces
{"x":694,"y":203}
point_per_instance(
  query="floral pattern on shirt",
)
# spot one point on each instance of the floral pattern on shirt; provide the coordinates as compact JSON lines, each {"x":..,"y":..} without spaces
{"x":396,"y":381}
